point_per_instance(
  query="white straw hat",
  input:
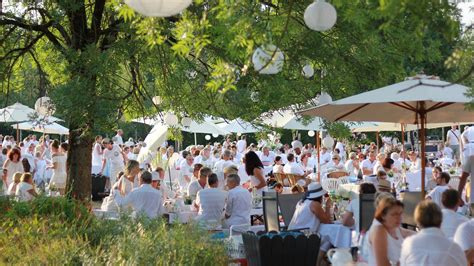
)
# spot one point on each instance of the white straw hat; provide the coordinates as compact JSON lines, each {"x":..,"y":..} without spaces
{"x":315,"y":190}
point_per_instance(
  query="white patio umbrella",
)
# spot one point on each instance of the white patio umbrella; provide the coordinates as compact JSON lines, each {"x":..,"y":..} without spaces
{"x":53,"y":128}
{"x":415,"y":101}
{"x":287,"y":119}
{"x":239,"y":126}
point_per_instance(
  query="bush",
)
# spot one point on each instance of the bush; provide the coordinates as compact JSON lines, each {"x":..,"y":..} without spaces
{"x":61,"y":231}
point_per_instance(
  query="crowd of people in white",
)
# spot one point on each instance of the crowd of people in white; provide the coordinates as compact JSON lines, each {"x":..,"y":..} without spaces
{"x":222,"y":178}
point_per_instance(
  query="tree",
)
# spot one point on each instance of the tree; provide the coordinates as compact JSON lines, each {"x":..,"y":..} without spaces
{"x":101,"y":60}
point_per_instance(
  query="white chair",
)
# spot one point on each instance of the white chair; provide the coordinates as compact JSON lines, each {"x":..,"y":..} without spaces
{"x":454,"y":182}
{"x":414,"y":181}
{"x":330,"y":184}
{"x":343,"y":180}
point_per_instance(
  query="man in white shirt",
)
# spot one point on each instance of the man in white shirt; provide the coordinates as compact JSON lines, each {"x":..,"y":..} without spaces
{"x":267,"y":157}
{"x":144,"y":200}
{"x":186,"y":170}
{"x":293,"y":167}
{"x":324,"y":157}
{"x":219,"y":166}
{"x":296,"y":144}
{"x":464,"y":237}
{"x":368,"y":165}
{"x":30,"y":155}
{"x":342,"y":150}
{"x":199,"y":184}
{"x":118,"y":137}
{"x":115,"y":156}
{"x":430,"y":246}
{"x":468,"y":162}
{"x":205,"y":158}
{"x":241,"y":145}
{"x":211,"y":201}
{"x":239,"y":203}
{"x":451,"y":219}
{"x":453,"y":139}
{"x":442,"y":181}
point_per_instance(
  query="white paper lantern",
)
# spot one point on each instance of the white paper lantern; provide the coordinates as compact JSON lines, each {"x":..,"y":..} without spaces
{"x":207,"y":137}
{"x":156,"y":100}
{"x":308,"y":71}
{"x":264,"y":63}
{"x":328,"y":142}
{"x":239,"y":134}
{"x":44,"y":106}
{"x":215,"y":135}
{"x":311,"y":133}
{"x":171,"y":119}
{"x":158,"y":8}
{"x":255,"y":96}
{"x":186,"y":121}
{"x":320,"y":16}
{"x":324,"y":98}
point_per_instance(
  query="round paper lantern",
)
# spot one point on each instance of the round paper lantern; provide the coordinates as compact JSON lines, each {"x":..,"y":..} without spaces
{"x":264,"y":63}
{"x":311,"y":133}
{"x":156,"y":100}
{"x":320,"y":16}
{"x":207,"y":137}
{"x":171,"y":119}
{"x":44,"y":106}
{"x":308,"y":71}
{"x":158,"y":8}
{"x":215,"y":135}
{"x":328,"y":142}
{"x":255,"y":96}
{"x":239,"y":134}
{"x":186,"y":121}
{"x":324,"y":98}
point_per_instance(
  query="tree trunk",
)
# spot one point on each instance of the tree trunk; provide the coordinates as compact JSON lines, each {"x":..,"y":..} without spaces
{"x":79,"y":164}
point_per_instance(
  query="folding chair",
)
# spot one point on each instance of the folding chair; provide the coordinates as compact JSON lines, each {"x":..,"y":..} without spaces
{"x":287,"y":203}
{"x":270,"y":211}
{"x":366,"y":211}
{"x":281,"y":178}
{"x":410,"y":200}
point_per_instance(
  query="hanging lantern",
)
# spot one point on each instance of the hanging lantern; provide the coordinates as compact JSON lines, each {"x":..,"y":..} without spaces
{"x":324,"y":98}
{"x":308,"y":71}
{"x":255,"y":96}
{"x":158,"y":8}
{"x":239,"y":134}
{"x":320,"y":16}
{"x":207,"y":137}
{"x":44,"y":106}
{"x":186,"y":121}
{"x":156,"y":100}
{"x":264,"y":63}
{"x":215,"y":135}
{"x":328,"y":142}
{"x":171,"y":119}
{"x":311,"y":133}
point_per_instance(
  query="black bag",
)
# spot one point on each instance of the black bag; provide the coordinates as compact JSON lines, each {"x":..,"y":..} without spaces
{"x":98,"y":187}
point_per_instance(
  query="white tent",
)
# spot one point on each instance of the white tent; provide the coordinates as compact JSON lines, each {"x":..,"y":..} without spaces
{"x":153,"y":140}
{"x":287,"y":119}
{"x":53,"y":128}
{"x":204,"y":127}
{"x":239,"y":126}
{"x":20,"y":113}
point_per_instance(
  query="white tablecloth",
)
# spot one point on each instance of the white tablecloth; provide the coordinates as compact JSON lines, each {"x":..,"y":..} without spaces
{"x":338,"y":234}
{"x":182,"y":217}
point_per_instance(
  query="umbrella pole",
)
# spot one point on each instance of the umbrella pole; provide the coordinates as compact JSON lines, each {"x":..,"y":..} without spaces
{"x":403,"y":136}
{"x":195,"y":139}
{"x":318,"y":147}
{"x":377,"y":137}
{"x":423,"y":150}
{"x":17,"y":134}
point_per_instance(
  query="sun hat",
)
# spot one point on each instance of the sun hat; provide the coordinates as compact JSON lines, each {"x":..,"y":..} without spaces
{"x":106,"y":141}
{"x":384,"y":184}
{"x":315,"y":190}
{"x":155,"y":176}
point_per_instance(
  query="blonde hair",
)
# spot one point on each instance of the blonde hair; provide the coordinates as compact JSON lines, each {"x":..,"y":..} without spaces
{"x":229,"y":170}
{"x":25,"y":177}
{"x":131,"y":164}
{"x":17,"y":177}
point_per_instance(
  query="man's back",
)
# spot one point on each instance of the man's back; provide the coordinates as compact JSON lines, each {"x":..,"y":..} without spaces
{"x":211,"y":203}
{"x":144,"y":199}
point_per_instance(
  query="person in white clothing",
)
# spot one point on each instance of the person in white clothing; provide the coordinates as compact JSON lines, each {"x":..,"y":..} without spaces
{"x":336,"y":164}
{"x":239,"y":203}
{"x":186,"y":171}
{"x":40,"y":173}
{"x":453,"y":139}
{"x":205,"y":158}
{"x":211,"y":201}
{"x":442,"y":181}
{"x":267,"y":157}
{"x":118,"y":137}
{"x":468,"y":162}
{"x":25,"y":191}
{"x":415,"y":162}
{"x":58,"y":159}
{"x":293,"y":167}
{"x":324,"y":157}
{"x":219,"y":166}
{"x":128,"y":181}
{"x":97,"y":153}
{"x":430,"y":246}
{"x":278,"y":167}
{"x":368,"y":165}
{"x":242,"y":145}
{"x":351,"y":216}
{"x":342,"y":150}
{"x":352,"y":165}
{"x":199,"y":184}
{"x":451,"y":219}
{"x":464,"y":237}
{"x":144,"y":200}
{"x":114,"y":155}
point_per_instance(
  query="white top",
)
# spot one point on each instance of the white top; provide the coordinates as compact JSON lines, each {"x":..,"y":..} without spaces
{"x":241,"y":146}
{"x":221,"y":164}
{"x":341,"y":148}
{"x":464,"y":236}
{"x":194,"y":187}
{"x":368,"y":164}
{"x":207,"y":162}
{"x":40,"y":171}
{"x":59,"y":173}
{"x":114,"y":156}
{"x":436,"y":193}
{"x":211,"y":203}
{"x":126,"y":185}
{"x":96,"y":156}
{"x":355,"y":210}
{"x":339,"y":166}
{"x":324,"y":158}
{"x":239,"y":204}
{"x":451,"y":222}
{"x":394,"y":246}
{"x":277,"y":169}
{"x":453,"y":137}
{"x":22,"y":193}
{"x":244,"y":177}
{"x":267,"y":159}
{"x":448,"y":152}
{"x":144,"y":200}
{"x":468,"y":148}
{"x":185,"y":170}
{"x":12,"y":189}
{"x":431,"y":247}
{"x":296,"y":144}
{"x":304,"y":217}
{"x":118,"y":139}
{"x":349,"y":166}
{"x":415,"y":166}
{"x":12,"y":168}
{"x":446,"y":162}
{"x":293,"y":168}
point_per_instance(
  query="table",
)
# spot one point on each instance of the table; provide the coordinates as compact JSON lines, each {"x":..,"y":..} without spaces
{"x":338,"y":235}
{"x":182,"y":217}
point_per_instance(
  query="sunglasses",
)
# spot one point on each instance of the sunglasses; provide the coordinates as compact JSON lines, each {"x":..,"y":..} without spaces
{"x":335,"y":158}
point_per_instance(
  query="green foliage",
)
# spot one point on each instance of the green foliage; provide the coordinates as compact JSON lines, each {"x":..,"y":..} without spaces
{"x":45,"y":232}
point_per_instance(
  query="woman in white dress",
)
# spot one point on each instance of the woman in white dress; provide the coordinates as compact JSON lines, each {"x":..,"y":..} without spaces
{"x":254,"y":168}
{"x":11,"y":166}
{"x":128,"y":181}
{"x":58,"y":158}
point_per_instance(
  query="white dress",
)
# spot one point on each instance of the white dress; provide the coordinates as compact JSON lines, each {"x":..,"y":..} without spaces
{"x":394,"y":246}
{"x":59,"y":173}
{"x":255,"y":182}
{"x":304,"y":218}
{"x":22,"y":191}
{"x":12,"y":168}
